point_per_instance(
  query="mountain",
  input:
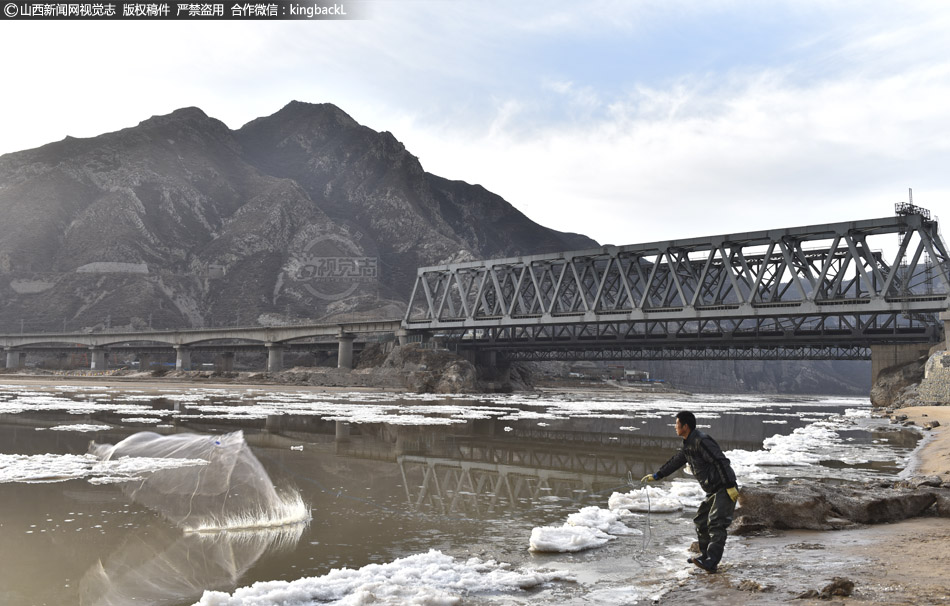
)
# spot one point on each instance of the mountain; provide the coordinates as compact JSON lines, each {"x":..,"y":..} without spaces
{"x":181,"y":221}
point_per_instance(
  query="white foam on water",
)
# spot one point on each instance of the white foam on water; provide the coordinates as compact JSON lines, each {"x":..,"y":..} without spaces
{"x":289,"y":509}
{"x":427,"y":579}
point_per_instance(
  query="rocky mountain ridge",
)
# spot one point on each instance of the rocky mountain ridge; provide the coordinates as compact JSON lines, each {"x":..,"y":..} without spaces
{"x":181,"y":221}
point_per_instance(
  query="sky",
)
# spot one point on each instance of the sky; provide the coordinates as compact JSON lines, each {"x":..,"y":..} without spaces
{"x":628,"y":121}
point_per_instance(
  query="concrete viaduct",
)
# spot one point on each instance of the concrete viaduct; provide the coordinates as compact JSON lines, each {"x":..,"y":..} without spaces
{"x":275,"y":339}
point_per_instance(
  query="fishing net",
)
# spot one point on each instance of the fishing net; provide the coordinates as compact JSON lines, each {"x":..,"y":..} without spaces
{"x":225,"y":488}
{"x":160,"y":566}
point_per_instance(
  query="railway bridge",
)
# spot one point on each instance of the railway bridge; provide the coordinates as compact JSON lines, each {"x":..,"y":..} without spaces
{"x":850,"y":290}
{"x":875,"y":288}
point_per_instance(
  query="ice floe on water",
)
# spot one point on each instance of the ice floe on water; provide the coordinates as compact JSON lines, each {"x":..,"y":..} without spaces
{"x":588,"y":528}
{"x":431,"y":578}
{"x":567,"y":538}
{"x":809,"y":446}
{"x":604,"y":520}
{"x":79,"y":427}
{"x":658,"y":499}
{"x":141,"y":419}
{"x":62,"y":467}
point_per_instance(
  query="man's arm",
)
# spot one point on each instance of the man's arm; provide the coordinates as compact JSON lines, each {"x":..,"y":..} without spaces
{"x":670,"y":467}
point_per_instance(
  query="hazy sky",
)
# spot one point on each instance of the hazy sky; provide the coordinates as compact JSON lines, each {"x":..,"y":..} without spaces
{"x":629,"y":121}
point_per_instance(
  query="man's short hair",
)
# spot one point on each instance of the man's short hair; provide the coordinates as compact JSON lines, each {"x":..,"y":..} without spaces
{"x":687,"y":418}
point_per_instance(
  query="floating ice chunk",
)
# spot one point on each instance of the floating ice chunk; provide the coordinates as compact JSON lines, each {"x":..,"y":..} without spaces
{"x":603,"y":520}
{"x":431,"y":578}
{"x":567,"y":538}
{"x":647,"y":499}
{"x":80,"y":427}
{"x":58,"y":468}
{"x":690,"y":494}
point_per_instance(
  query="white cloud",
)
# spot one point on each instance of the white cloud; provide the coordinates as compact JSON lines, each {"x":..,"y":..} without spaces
{"x":547,"y":105}
{"x":708,"y":157}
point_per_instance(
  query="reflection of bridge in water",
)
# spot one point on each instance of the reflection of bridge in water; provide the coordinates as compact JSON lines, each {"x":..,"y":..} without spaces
{"x":487,"y":465}
{"x":478,"y":474}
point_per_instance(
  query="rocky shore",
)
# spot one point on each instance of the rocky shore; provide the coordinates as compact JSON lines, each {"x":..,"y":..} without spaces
{"x":414,"y":368}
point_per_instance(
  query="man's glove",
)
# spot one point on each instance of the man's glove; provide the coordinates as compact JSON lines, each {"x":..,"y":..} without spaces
{"x":647,"y":478}
{"x":733,"y":493}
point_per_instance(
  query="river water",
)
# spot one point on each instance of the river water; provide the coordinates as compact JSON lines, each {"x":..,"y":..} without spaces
{"x":424,"y":498}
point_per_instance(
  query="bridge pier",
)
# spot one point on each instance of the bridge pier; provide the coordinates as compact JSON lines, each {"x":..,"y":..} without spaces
{"x":886,"y":356}
{"x":224,"y":362}
{"x":945,"y":317}
{"x":97,"y":358}
{"x":182,"y":357}
{"x":15,"y":359}
{"x":344,"y":358}
{"x":275,"y":357}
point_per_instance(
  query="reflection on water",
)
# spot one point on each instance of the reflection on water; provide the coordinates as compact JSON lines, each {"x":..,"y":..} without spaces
{"x":377,"y":490}
{"x":164,"y":567}
{"x":230,"y":492}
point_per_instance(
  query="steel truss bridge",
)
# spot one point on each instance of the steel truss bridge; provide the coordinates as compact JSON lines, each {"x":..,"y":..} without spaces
{"x":823,"y":291}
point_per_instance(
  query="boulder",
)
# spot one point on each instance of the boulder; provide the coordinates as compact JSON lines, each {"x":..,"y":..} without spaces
{"x":880,"y":506}
{"x":815,"y":506}
{"x":943,"y":505}
{"x":429,"y":370}
{"x":839,"y":586}
{"x":768,"y":507}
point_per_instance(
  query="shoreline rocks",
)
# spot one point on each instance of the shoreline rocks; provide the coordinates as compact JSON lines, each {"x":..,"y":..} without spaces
{"x":813,"y":505}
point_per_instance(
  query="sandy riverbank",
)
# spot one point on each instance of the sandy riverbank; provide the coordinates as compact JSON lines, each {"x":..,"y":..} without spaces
{"x":903,"y":563}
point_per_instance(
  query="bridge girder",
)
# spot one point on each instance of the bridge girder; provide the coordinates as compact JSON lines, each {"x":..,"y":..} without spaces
{"x":790,"y":285}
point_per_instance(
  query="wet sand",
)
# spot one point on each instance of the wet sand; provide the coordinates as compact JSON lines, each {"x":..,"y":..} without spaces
{"x":906,"y":562}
